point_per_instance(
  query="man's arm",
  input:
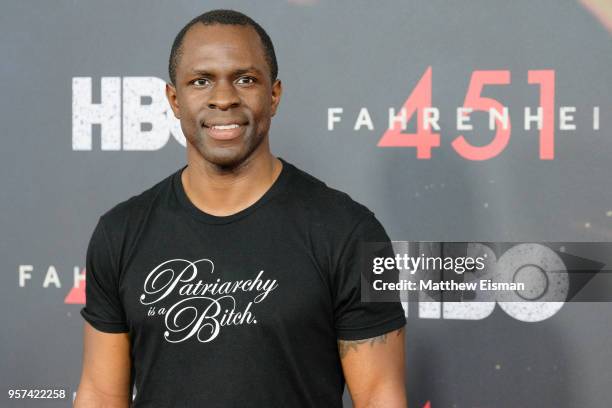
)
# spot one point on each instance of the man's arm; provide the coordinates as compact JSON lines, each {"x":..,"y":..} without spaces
{"x":374,"y":370}
{"x":105,"y":379}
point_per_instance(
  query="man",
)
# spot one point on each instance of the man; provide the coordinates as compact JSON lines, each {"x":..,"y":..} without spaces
{"x":235,"y":281}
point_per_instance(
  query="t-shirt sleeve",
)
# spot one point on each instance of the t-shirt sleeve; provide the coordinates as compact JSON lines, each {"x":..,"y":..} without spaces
{"x":103,"y":308}
{"x":354,"y":319}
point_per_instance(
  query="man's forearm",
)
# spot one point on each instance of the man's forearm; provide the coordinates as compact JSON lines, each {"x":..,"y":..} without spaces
{"x":88,"y":398}
{"x":384,"y":397}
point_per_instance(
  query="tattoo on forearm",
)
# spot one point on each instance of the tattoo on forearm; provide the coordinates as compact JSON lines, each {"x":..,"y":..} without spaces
{"x":344,"y":346}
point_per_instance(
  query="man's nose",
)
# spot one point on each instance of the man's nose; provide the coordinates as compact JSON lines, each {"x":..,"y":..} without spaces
{"x":223,"y":96}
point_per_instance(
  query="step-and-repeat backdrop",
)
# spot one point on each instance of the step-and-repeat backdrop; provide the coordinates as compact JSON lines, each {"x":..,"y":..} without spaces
{"x":452,"y":121}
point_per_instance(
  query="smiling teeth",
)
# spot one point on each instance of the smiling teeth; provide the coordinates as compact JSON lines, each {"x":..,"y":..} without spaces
{"x":225,"y":127}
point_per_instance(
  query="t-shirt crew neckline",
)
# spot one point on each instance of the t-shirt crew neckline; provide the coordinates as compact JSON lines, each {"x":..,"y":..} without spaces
{"x":276,"y":187}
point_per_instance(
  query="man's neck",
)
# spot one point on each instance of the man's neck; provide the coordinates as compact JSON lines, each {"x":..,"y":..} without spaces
{"x":222,"y":192}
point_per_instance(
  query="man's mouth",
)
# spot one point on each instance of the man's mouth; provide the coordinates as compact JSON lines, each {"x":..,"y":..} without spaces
{"x":225,"y":127}
{"x":224,"y":131}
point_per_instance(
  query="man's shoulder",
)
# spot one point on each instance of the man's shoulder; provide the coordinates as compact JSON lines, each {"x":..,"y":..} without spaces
{"x":326,"y":201}
{"x":137,"y":205}
{"x":332,"y":217}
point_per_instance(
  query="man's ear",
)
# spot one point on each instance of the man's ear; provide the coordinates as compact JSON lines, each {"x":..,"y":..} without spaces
{"x":172,"y":99}
{"x":277,"y":91}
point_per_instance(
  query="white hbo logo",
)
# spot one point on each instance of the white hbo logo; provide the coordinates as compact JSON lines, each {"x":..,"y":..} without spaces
{"x":543,"y":271}
{"x":133,"y":114}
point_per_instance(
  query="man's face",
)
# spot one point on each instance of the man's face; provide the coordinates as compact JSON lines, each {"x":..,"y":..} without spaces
{"x":223,"y":95}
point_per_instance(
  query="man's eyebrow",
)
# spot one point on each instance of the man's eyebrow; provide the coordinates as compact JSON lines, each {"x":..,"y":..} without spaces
{"x":200,"y":72}
{"x":249,"y":69}
{"x":239,"y":71}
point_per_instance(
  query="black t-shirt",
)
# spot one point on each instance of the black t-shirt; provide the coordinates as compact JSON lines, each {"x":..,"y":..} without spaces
{"x":242,"y":310}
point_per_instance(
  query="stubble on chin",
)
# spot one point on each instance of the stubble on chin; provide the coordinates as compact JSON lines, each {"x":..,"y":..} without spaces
{"x":225,"y":159}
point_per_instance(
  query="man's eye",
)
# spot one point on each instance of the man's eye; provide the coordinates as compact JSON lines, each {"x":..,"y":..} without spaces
{"x":200,"y":82}
{"x":246,"y":80}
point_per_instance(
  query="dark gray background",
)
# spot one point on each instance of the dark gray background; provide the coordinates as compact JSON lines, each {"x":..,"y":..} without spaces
{"x":331,"y":53}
